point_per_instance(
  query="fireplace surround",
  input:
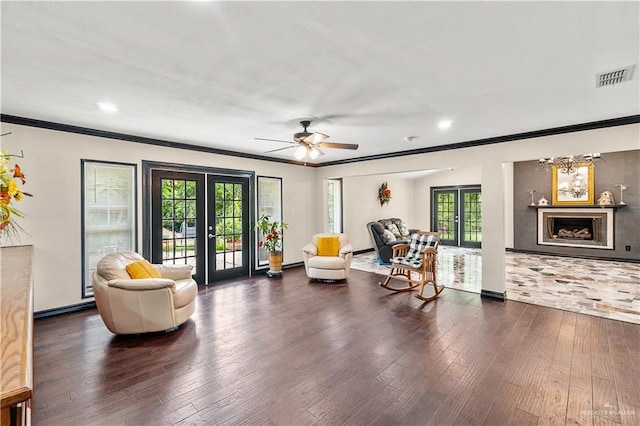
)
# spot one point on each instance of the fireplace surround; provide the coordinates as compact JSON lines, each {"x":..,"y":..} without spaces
{"x":576,"y":227}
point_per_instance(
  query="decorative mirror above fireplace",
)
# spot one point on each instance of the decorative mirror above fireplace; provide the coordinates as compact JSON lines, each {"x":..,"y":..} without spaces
{"x":573,"y":188}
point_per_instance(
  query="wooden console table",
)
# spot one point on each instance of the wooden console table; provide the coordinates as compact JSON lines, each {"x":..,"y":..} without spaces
{"x":16,"y":332}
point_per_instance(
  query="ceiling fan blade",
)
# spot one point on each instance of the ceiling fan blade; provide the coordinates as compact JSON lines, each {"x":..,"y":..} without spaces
{"x":279,"y":149}
{"x":274,"y":140}
{"x":337,"y":145}
{"x":315,"y":138}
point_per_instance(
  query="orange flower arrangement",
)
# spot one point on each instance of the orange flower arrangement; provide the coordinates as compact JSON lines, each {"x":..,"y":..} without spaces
{"x":384,"y":194}
{"x":10,"y":193}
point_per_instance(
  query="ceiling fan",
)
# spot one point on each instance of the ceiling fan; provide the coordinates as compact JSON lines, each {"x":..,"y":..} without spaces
{"x":309,"y":144}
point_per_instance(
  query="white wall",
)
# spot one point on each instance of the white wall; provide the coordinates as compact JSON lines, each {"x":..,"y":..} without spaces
{"x":361,"y":205}
{"x":507,"y":174}
{"x":52,"y":167}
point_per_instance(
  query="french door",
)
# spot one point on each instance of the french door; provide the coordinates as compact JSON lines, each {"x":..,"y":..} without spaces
{"x":201,"y":220}
{"x":177,"y":220}
{"x":456,"y":214}
{"x":228,"y":227}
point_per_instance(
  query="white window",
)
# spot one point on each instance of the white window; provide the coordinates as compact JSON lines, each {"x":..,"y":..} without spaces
{"x":334,"y":205}
{"x":109,"y":213}
{"x":269,"y":204}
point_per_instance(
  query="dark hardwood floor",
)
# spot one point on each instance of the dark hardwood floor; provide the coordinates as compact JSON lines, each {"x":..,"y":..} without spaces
{"x":287,"y":351}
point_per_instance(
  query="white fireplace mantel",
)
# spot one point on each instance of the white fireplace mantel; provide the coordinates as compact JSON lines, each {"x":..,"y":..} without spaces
{"x":605,"y":216}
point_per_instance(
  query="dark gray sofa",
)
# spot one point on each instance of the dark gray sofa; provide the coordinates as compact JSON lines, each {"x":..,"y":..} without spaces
{"x":384,"y":248}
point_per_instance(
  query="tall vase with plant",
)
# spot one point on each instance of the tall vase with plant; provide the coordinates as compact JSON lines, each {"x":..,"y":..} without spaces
{"x":271,"y":240}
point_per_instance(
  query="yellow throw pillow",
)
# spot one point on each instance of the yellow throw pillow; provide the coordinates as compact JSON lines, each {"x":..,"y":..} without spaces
{"x":328,"y":246}
{"x":142,"y":269}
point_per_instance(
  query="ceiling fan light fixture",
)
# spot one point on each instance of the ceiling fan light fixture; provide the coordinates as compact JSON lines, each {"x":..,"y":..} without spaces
{"x":316,"y":137}
{"x":313,"y":153}
{"x":300,"y":152}
{"x":301,"y":136}
{"x":307,"y":145}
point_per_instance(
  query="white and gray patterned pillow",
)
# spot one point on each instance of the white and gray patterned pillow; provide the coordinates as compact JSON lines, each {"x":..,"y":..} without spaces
{"x":404,"y":231}
{"x":394,"y":229}
{"x":386,"y":222}
{"x":388,"y":236}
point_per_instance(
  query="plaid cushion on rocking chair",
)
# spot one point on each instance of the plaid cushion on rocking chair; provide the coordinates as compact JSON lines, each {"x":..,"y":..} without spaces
{"x":413,"y":257}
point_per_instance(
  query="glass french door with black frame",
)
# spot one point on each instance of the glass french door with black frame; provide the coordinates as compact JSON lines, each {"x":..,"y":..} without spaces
{"x":457,"y":215}
{"x":445,"y":215}
{"x":228,"y":227}
{"x":471,"y":217}
{"x":200,"y":219}
{"x":178,"y":220}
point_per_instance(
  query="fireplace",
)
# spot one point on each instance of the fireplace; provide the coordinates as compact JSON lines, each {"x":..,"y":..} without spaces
{"x":576,"y":227}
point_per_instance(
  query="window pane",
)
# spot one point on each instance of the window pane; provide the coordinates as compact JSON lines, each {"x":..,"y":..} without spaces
{"x":228,"y":191}
{"x":269,"y":204}
{"x":109,"y":214}
{"x":191,"y":209}
{"x":179,"y":189}
{"x":191,"y":189}
{"x":334,"y":205}
{"x":179,"y":213}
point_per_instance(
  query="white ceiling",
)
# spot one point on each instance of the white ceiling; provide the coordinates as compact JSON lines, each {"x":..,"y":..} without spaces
{"x":218,"y":74}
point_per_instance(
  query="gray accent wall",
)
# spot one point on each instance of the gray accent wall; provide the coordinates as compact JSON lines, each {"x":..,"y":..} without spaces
{"x":619,"y":167}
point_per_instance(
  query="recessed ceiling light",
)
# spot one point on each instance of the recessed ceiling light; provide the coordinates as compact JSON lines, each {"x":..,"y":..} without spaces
{"x":445,"y":124}
{"x":108,"y":107}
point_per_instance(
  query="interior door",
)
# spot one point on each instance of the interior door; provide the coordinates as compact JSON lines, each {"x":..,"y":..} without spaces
{"x":445,"y":215}
{"x":228,"y":227}
{"x":178,"y":220}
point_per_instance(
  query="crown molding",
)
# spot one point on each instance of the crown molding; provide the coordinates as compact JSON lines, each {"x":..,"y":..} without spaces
{"x":49,"y":125}
{"x":612,"y":122}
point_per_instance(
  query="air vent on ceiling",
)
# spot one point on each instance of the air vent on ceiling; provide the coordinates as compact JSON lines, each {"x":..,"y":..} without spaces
{"x":612,"y":77}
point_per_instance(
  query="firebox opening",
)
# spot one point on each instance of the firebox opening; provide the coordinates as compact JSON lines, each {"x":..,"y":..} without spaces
{"x":573,"y":228}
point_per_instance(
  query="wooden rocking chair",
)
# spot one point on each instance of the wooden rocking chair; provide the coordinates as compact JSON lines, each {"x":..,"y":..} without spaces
{"x":418,"y":257}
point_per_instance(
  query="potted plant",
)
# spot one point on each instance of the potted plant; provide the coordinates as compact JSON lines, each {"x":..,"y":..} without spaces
{"x":272,"y":241}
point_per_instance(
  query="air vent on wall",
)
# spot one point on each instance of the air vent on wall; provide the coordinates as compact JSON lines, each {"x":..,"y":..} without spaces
{"x":612,"y":77}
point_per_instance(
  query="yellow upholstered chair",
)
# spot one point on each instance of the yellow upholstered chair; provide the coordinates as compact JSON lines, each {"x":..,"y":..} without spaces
{"x":328,"y":257}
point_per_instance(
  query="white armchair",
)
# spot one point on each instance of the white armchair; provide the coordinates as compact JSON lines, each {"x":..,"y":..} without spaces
{"x":328,"y":267}
{"x":131,"y":306}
